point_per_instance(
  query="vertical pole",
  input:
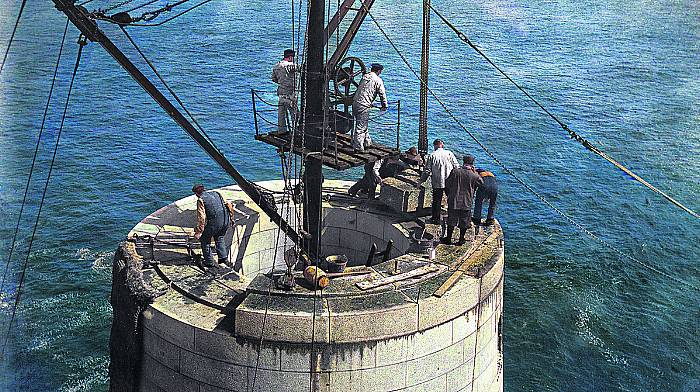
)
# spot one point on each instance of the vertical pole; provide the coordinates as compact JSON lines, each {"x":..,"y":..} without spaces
{"x":315,"y":93}
{"x":398,"y":125}
{"x":255,"y":113}
{"x":425,"y":54}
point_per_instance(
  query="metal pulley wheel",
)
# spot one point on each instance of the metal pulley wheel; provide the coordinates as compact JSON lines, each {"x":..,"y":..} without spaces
{"x":347,"y":78}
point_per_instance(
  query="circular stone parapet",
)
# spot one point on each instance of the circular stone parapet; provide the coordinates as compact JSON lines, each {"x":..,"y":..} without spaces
{"x":409,"y":324}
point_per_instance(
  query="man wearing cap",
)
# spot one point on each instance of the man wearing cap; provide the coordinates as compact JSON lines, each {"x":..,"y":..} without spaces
{"x":412,"y":158}
{"x":370,"y":86}
{"x":438,"y":167}
{"x":487,"y":190}
{"x":461,"y":185}
{"x":214,"y":215}
{"x":284,"y":73}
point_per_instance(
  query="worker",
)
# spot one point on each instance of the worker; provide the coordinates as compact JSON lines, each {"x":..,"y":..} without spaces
{"x":438,"y":166}
{"x":284,"y":73}
{"x":214,"y":215}
{"x":461,"y":185}
{"x":370,"y":86}
{"x":368,"y":183}
{"x":487,"y":190}
{"x":412,"y":158}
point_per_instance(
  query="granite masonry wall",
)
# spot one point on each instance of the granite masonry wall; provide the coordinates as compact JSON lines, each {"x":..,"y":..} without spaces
{"x":452,"y":343}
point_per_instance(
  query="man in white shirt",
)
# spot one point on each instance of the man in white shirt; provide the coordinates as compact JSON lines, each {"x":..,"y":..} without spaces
{"x":370,"y":86}
{"x":284,"y":73}
{"x":438,"y":166}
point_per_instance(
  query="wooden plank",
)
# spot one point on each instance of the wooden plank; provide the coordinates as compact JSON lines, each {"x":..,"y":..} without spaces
{"x":345,"y":158}
{"x":475,"y":246}
{"x":475,"y":251}
{"x":448,"y":284}
{"x":370,"y":284}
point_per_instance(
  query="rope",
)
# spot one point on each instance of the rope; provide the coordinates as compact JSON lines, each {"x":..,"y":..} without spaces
{"x":115,"y":6}
{"x":520,"y":181}
{"x":141,"y":6}
{"x":12,"y":37}
{"x":36,"y":152}
{"x":320,"y":215}
{"x":179,"y":101}
{"x":573,"y":135}
{"x":151,"y":15}
{"x":81,"y":42}
{"x":269,"y":291}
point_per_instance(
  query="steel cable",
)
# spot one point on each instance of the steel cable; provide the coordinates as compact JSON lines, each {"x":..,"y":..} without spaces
{"x":81,"y":42}
{"x":36,"y":152}
{"x":12,"y":37}
{"x":165,"y":84}
{"x":520,"y":181}
{"x":141,"y":6}
{"x":303,"y":136}
{"x":573,"y":135}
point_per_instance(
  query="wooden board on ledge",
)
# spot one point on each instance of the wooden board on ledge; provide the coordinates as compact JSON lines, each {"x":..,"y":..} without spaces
{"x":340,"y":156}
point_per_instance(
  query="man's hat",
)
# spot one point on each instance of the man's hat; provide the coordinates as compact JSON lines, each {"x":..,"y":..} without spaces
{"x":289,"y":52}
{"x":197,"y":187}
{"x":436,"y":142}
{"x":377,"y":66}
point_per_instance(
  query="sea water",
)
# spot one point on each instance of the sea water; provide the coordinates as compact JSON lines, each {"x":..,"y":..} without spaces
{"x":578,"y":317}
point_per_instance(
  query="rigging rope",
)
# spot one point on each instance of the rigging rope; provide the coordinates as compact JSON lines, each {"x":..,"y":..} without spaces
{"x":115,"y":6}
{"x":179,"y":101}
{"x":520,"y":181}
{"x":141,"y":6}
{"x":82,"y":41}
{"x":36,"y":152}
{"x":12,"y":37}
{"x":573,"y":135}
{"x":297,"y":223}
{"x":150,"y":15}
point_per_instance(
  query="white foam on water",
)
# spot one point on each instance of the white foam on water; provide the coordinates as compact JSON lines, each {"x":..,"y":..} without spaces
{"x":583,"y":325}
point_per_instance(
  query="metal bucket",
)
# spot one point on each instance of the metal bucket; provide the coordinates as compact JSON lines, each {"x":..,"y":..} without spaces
{"x":336,"y":263}
{"x":424,"y":242}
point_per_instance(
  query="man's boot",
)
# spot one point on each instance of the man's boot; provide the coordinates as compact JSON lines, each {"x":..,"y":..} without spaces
{"x":462,"y":233}
{"x":448,"y":239}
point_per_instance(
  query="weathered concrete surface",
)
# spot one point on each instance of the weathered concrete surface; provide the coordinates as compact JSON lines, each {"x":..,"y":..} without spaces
{"x":205,"y":332}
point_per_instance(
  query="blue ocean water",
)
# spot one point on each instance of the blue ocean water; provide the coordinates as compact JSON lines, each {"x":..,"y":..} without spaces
{"x":577,"y":317}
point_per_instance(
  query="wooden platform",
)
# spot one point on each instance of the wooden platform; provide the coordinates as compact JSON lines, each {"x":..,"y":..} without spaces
{"x":345,"y":158}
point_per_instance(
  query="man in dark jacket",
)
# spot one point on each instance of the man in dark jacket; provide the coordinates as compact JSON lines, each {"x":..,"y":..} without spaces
{"x":488,"y":190}
{"x":214,"y":215}
{"x":368,"y":183}
{"x":461,"y":185}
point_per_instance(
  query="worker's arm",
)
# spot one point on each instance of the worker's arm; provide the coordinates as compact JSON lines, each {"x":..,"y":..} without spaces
{"x":453,"y":159}
{"x":382,"y":95}
{"x":231,"y":212}
{"x":274,"y":75}
{"x":201,"y":219}
{"x":449,"y":181}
